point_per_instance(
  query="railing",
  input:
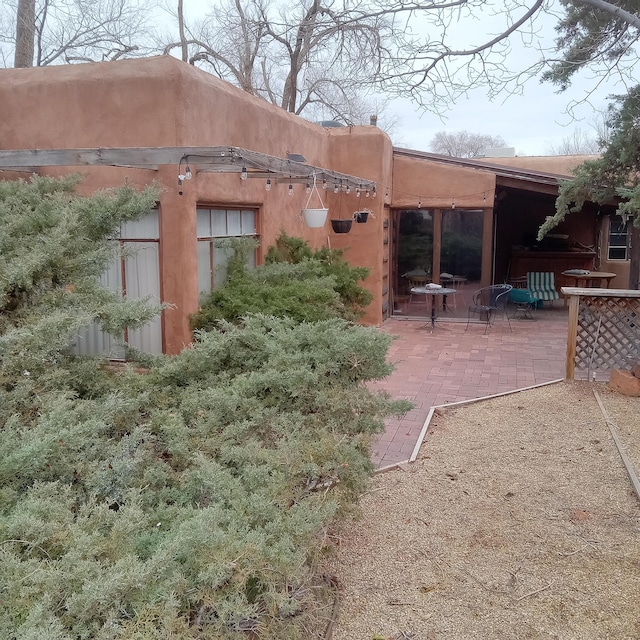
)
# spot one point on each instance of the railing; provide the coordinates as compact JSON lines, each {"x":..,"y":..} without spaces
{"x":604,"y":330}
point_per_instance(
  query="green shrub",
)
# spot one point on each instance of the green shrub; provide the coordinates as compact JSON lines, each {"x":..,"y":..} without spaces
{"x":295,"y":282}
{"x":194,"y":498}
{"x":191,"y":501}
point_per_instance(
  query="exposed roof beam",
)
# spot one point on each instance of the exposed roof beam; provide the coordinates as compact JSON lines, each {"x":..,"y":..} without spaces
{"x":207,"y":159}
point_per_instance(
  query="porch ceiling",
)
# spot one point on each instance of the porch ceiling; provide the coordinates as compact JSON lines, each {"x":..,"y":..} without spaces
{"x":207,"y":159}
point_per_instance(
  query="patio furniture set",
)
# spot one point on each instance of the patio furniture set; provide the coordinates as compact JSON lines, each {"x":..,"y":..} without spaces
{"x":525,"y":294}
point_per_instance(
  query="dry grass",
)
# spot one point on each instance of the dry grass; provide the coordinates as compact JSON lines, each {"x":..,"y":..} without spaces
{"x":518,"y":520}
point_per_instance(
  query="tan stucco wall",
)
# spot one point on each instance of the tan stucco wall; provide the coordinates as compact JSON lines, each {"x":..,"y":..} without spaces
{"x":438,"y":185}
{"x":161,"y":101}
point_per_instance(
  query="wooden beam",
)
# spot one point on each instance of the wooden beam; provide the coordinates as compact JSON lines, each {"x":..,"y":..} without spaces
{"x":529,"y":184}
{"x":214,"y":159}
{"x":141,"y":157}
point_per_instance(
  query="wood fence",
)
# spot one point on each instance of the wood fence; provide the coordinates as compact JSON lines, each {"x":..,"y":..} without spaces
{"x":604,"y":330}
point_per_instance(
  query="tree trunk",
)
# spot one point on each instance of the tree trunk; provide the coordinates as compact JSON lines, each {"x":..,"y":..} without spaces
{"x":183,"y":38}
{"x":634,"y":266}
{"x":25,"y":33}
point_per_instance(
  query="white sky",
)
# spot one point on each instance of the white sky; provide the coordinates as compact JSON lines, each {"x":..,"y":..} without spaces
{"x":532,"y":123}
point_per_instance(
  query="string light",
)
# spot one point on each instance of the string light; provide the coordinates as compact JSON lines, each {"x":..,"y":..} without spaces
{"x":357,"y":192}
{"x":348,"y":189}
{"x":419,"y":204}
{"x":290,"y":189}
{"x":335,"y":187}
{"x":187,"y":173}
{"x":324,"y":183}
{"x":307,"y":188}
{"x":366,"y":193}
{"x":268,"y":185}
{"x":374,"y":190}
{"x":453,"y":203}
{"x":243,"y":173}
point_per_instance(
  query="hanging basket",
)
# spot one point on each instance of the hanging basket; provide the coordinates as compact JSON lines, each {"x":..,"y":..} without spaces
{"x":341,"y":226}
{"x":315,"y":218}
{"x":361,"y":216}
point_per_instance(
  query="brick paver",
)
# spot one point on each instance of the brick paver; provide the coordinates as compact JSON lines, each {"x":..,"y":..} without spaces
{"x":451,"y":364}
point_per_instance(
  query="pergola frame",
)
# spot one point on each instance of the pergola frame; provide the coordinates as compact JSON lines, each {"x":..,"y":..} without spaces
{"x":223,"y":159}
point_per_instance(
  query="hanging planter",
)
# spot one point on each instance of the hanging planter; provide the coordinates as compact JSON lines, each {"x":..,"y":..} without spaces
{"x":362,"y":216}
{"x":315,"y":218}
{"x":341,"y":226}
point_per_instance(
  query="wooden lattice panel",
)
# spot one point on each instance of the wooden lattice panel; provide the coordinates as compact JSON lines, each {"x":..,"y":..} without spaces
{"x":608,"y":333}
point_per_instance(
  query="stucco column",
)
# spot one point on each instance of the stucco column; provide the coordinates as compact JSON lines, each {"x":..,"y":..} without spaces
{"x":178,"y":260}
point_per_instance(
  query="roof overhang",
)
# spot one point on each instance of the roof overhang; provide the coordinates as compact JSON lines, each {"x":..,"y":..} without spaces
{"x":207,"y":160}
{"x":507,"y":177}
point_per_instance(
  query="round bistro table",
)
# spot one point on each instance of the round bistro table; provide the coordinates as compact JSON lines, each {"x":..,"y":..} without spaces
{"x":590,"y":278}
{"x":433,"y":292}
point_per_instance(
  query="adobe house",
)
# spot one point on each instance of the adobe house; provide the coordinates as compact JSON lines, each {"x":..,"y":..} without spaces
{"x":251,"y":167}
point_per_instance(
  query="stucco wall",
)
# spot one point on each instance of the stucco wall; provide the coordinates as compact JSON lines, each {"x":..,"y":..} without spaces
{"x":438,"y":185}
{"x":161,"y":101}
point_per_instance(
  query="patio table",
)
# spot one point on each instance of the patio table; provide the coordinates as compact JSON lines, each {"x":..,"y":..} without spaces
{"x":433,"y":292}
{"x":590,"y":277}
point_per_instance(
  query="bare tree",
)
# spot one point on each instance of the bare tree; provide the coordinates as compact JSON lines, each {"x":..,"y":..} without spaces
{"x":25,"y":33}
{"x":436,"y":65}
{"x":308,"y":56}
{"x":462,"y":144}
{"x":297,"y":54}
{"x":53,"y":31}
{"x":576,"y":144}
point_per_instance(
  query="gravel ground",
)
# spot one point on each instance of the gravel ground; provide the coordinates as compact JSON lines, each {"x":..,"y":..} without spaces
{"x":518,"y":520}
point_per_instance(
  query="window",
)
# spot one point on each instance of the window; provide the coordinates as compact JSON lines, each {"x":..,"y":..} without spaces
{"x":619,"y":238}
{"x":135,"y":273}
{"x":215,"y":224}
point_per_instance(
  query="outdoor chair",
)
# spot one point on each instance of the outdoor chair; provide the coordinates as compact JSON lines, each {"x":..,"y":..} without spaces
{"x":542,"y":285}
{"x":487,"y":302}
{"x":523,"y":302}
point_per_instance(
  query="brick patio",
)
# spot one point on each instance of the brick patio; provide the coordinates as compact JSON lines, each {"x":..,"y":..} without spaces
{"x":451,"y":364}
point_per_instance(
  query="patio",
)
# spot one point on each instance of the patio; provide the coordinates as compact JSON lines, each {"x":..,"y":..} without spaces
{"x":451,"y":365}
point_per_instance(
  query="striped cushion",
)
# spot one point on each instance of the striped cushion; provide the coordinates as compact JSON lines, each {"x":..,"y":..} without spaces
{"x":542,"y":285}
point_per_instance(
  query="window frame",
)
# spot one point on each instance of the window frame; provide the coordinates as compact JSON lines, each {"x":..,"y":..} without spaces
{"x":618,"y":232}
{"x":217,"y":233}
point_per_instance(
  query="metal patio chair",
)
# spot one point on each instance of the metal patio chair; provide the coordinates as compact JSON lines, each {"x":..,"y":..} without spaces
{"x":487,"y":302}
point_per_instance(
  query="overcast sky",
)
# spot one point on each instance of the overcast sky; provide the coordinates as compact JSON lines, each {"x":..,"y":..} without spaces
{"x":531,"y":123}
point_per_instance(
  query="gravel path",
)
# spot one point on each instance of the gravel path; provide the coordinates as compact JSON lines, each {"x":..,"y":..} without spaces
{"x":518,"y":520}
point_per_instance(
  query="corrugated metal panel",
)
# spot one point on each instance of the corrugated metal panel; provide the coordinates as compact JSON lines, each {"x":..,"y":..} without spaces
{"x":142,"y":279}
{"x":92,"y":341}
{"x":142,"y":274}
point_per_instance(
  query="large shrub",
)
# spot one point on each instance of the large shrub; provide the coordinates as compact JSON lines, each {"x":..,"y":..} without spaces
{"x":191,"y":501}
{"x":296,"y":282}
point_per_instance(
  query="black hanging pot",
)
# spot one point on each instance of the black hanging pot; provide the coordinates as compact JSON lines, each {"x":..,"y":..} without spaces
{"x":341,"y":226}
{"x":361,"y":216}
